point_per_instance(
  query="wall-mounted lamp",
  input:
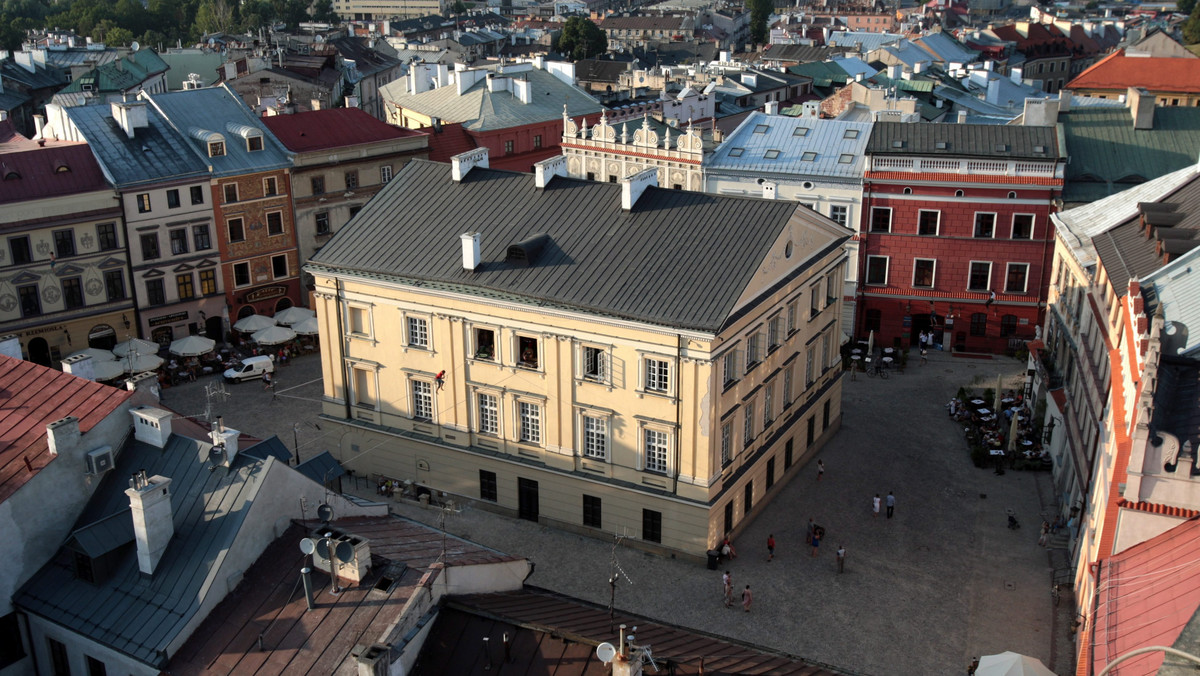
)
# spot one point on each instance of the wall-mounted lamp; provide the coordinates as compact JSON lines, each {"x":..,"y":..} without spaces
{"x":67,"y":334}
{"x":125,"y":320}
{"x":1048,"y":434}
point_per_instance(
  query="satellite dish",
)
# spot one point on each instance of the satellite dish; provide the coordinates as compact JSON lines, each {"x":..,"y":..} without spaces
{"x":605,"y":652}
{"x":344,"y":551}
{"x":323,"y":548}
{"x":325,"y":513}
{"x":308,"y":546}
{"x":134,"y":46}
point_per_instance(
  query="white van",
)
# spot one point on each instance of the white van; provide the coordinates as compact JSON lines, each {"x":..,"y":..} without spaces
{"x":250,"y":368}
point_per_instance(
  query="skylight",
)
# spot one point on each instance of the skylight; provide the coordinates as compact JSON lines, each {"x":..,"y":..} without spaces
{"x":850,"y":133}
{"x":808,"y":156}
{"x":761,"y":128}
{"x":800,"y":131}
{"x":771,"y":154}
{"x":736,"y":152}
{"x":845,"y":158}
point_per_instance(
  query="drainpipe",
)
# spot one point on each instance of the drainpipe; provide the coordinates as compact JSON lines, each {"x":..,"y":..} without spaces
{"x":678,"y":411}
{"x":342,"y":348}
{"x":862,"y":261}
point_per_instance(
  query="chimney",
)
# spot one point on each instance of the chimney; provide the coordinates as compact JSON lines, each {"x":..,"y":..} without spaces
{"x":130,"y":116}
{"x":962,"y":116}
{"x":768,"y":190}
{"x":547,"y":169}
{"x":10,"y":346}
{"x":462,"y":163}
{"x":1064,"y":101}
{"x":470,"y":249}
{"x":771,"y":108}
{"x":633,"y":187}
{"x":144,"y":382}
{"x":1141,"y":107}
{"x":62,"y":435}
{"x":80,"y":366}
{"x":153,"y":521}
{"x":522,"y":90}
{"x":226,"y":437}
{"x":151,"y":425}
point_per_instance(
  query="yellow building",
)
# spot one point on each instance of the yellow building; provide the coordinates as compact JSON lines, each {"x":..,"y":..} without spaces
{"x":605,"y":358}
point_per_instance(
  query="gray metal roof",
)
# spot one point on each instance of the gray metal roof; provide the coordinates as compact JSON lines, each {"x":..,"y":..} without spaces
{"x":773,"y":144}
{"x":1176,"y":288}
{"x":321,"y":468}
{"x":213,"y":109}
{"x":963,"y":140}
{"x":155,"y":153}
{"x":136,"y":615}
{"x":678,"y":259}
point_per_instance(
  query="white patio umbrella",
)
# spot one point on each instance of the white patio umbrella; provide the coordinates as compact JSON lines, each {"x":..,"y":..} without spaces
{"x":307,"y":327}
{"x":293,"y":314}
{"x":1013,"y":430}
{"x":871,"y":343}
{"x":107,"y":370}
{"x":141,"y":363}
{"x":96,"y":354}
{"x":253,"y":323}
{"x":999,"y":392}
{"x":1011,"y":664}
{"x":135,"y":345}
{"x":273,"y":335}
{"x":192,"y":346}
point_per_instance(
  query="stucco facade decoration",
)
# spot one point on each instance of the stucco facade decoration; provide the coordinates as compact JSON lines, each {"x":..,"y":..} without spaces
{"x":608,"y":152}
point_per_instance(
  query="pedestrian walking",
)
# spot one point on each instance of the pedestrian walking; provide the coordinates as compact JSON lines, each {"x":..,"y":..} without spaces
{"x":820,"y":469}
{"x":875,"y":505}
{"x":890,"y":502}
{"x":924,"y":357}
{"x":727,"y":589}
{"x":808,"y":535}
{"x":727,"y":550}
{"x":1044,"y":538}
{"x":841,"y":558}
{"x":266,"y":380}
{"x":771,"y":547}
{"x":818,"y":533}
{"x":747,"y":598}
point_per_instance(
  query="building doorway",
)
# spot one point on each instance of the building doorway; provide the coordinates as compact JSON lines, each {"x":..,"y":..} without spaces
{"x":163,"y":335}
{"x":283,"y":304}
{"x":214,"y":328}
{"x":102,"y":337}
{"x":246,"y":311}
{"x":39,"y":352}
{"x":527,"y":499}
{"x":931,"y":323}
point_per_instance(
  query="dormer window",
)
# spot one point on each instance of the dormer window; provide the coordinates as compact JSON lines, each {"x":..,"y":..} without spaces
{"x":254,"y":143}
{"x":216,"y":149}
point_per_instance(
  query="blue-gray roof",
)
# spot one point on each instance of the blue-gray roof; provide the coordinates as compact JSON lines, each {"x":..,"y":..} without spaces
{"x":217,"y":109}
{"x":156,"y":153}
{"x":861,"y":40}
{"x":947,"y":49}
{"x":137,"y":615}
{"x":775,"y":144}
{"x":1177,"y":289}
{"x":321,"y":468}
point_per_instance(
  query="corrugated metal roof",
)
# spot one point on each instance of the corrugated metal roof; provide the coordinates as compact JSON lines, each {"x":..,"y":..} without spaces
{"x":107,"y":534}
{"x":678,"y":259}
{"x":802,"y":146}
{"x":36,"y":396}
{"x":120,"y":75}
{"x":272,"y":447}
{"x":156,"y":153}
{"x":332,"y":128}
{"x":962,"y":140}
{"x":212,"y":108}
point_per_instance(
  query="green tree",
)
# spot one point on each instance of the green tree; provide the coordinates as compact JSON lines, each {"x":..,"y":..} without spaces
{"x":256,"y":14}
{"x":214,"y":16}
{"x":1185,"y":6}
{"x":760,"y":14}
{"x":1191,"y":29}
{"x":459,"y":7}
{"x":580,"y":38}
{"x":323,"y":12}
{"x":118,"y":37}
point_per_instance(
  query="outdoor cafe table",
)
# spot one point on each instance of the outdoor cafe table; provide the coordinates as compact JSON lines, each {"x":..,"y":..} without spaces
{"x":978,"y":402}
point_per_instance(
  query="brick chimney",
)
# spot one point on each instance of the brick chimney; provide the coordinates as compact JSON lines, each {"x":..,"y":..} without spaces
{"x":153,"y":519}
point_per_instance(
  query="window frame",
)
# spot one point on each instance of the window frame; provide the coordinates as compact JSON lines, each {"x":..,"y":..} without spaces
{"x":173,"y":199}
{"x":107,"y":238}
{"x":287,"y":269}
{"x":26,"y":251}
{"x":937,"y":222}
{"x":978,"y":324}
{"x":932,"y":273}
{"x":726,"y":443}
{"x":249,"y":274}
{"x":270,"y":186}
{"x":417,"y":333}
{"x":593,"y":514}
{"x":385,"y":174}
{"x":1008,"y":271}
{"x":528,"y":422}
{"x":185,"y":285}
{"x":488,"y":486}
{"x":226,"y":188}
{"x":421,"y":400}
{"x":601,"y":366}
{"x":321,"y":223}
{"x":872,"y":220}
{"x":753,"y":358}
{"x":475,"y":331}
{"x":657,"y":378}
{"x":1013,"y":231}
{"x":197,"y":194}
{"x":485,"y":413}
{"x":662,"y":456}
{"x":241,"y":226}
{"x":156,"y":292}
{"x":64,"y":243}
{"x":601,"y":434}
{"x":278,"y":217}
{"x":519,"y":359}
{"x":317,"y":181}
{"x":178,"y":239}
{"x":23,"y":294}
{"x":208,"y":278}
{"x":747,"y":424}
{"x":975,"y":228}
{"x":201,"y":238}
{"x":887,"y":263}
{"x":110,"y":276}
{"x":143,"y":202}
{"x":368,"y":320}
{"x":841,"y":218}
{"x":1008,"y":325}
{"x":76,"y":286}
{"x":971,"y":274}
{"x":351,"y":179}
{"x":149,"y":238}
{"x":729,"y":367}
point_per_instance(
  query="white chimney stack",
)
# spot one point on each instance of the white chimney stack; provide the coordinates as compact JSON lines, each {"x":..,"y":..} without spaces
{"x":771,"y":108}
{"x":462,"y":163}
{"x":470,"y":250}
{"x":151,"y":425}
{"x":227,"y":438}
{"x":130,"y":116}
{"x":153,"y":519}
{"x":768,"y":190}
{"x":547,"y":169}
{"x":62,"y":435}
{"x":80,"y":366}
{"x":633,"y":187}
{"x":10,"y":346}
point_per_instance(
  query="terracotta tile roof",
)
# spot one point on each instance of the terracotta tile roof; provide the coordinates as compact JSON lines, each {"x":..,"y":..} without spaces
{"x":963,"y":178}
{"x":331,"y":128}
{"x":1145,"y":596}
{"x":35,"y":396}
{"x":1156,"y":74}
{"x":1155,"y":508}
{"x":49,"y":172}
{"x":450,"y":141}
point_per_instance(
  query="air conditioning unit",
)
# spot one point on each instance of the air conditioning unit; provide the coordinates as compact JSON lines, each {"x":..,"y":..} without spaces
{"x":100,"y":460}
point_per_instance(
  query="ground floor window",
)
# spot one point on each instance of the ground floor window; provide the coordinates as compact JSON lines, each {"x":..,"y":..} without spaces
{"x":591,"y":511}
{"x":651,"y":525}
{"x":487,"y":485}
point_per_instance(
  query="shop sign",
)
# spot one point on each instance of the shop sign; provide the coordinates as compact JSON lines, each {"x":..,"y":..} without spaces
{"x":43,"y":329}
{"x":266,"y":293}
{"x":169,"y":319}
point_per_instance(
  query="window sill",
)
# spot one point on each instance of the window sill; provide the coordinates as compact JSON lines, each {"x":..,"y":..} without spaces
{"x":527,"y":367}
{"x":661,"y":394}
{"x":484,"y":360}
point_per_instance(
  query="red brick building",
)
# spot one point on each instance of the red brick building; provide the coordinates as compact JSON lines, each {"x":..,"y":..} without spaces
{"x":954,"y":213}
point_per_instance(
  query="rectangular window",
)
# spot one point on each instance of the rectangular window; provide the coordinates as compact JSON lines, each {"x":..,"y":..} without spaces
{"x":279,"y":266}
{"x":980,"y":278}
{"x":726,"y":443}
{"x":200,"y":238}
{"x":594,"y":367}
{"x":658,"y":377}
{"x":591,"y":511}
{"x":186,"y":287}
{"x":270,"y":186}
{"x":527,"y":352}
{"x":985,"y":225}
{"x":748,"y":497}
{"x":531,"y":422}
{"x":318,"y":185}
{"x":923,"y":270}
{"x":812,"y":430}
{"x":1018,"y":275}
{"x":787,"y":453}
{"x":881,"y":219}
{"x":791,"y":316}
{"x":730,"y":366}
{"x":418,"y":332}
{"x":815,"y":298}
{"x":877,"y":270}
{"x":595,"y":437}
{"x":537,"y":141}
{"x":114,"y":284}
{"x":1008,"y":325}
{"x":774,"y":332}
{"x":60,"y":665}
{"x":508,"y":147}
{"x":485,"y":344}
{"x":359,"y":321}
{"x":241,"y":274}
{"x":748,"y":424}
{"x":825,"y":415}
{"x":72,"y":293}
{"x":275,"y":223}
{"x":927,"y":222}
{"x":655,"y":446}
{"x":770,"y":473}
{"x":651,"y":525}
{"x":143,"y":203}
{"x":179,"y":241}
{"x":1022,"y":227}
{"x":487,"y":485}
{"x":351,"y":180}
{"x":422,"y":392}
{"x":752,"y":350}
{"x":768,"y":403}
{"x":156,"y":293}
{"x":216,"y":149}
{"x":172,"y":199}
{"x":237,"y":231}
{"x":149,"y":246}
{"x":979,"y":324}
{"x":230,"y":190}
{"x":254,"y":144}
{"x":322,"y":220}
{"x":64,"y":243}
{"x":787,"y":386}
{"x":197,"y":194}
{"x":839,"y":214}
{"x":208,"y":282}
{"x":21,"y":251}
{"x":385,"y":173}
{"x":106,"y":235}
{"x":810,"y":358}
{"x":489,"y":413}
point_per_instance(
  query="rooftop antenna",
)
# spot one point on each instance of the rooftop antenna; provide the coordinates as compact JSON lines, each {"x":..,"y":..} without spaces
{"x":614,"y":576}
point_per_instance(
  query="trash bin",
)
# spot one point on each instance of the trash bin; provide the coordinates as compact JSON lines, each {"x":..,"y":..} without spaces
{"x":713,"y":557}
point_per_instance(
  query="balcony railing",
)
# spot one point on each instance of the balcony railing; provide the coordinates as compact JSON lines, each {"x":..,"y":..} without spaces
{"x":964,"y":166}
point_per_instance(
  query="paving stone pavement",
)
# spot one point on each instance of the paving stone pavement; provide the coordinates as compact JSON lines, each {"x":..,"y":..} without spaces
{"x":923,"y":592}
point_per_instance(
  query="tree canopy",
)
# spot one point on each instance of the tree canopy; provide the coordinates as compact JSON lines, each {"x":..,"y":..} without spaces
{"x":580,"y":38}
{"x":760,"y":14}
{"x":1191,"y":29}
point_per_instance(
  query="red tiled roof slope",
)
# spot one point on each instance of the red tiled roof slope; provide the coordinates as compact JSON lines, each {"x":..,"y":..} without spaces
{"x":331,"y":128}
{"x":1120,"y":72}
{"x":49,"y":172}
